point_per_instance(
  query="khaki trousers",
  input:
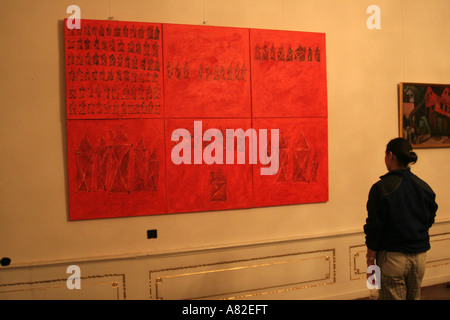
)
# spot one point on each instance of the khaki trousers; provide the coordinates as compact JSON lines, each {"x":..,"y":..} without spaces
{"x":401,"y":275}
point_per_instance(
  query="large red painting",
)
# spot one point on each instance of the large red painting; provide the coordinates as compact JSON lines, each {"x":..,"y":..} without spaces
{"x":150,"y":107}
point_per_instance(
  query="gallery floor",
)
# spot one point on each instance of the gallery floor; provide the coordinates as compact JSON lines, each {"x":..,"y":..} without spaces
{"x":436,"y":292}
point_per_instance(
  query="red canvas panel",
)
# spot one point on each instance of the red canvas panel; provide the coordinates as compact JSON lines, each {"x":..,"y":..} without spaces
{"x":114,"y":70}
{"x":206,"y":187}
{"x":116,"y":168}
{"x":302,"y":176}
{"x":288,"y":71}
{"x":206,"y":71}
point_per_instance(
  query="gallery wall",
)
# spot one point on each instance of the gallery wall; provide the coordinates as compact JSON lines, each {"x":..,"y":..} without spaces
{"x":364,"y":67}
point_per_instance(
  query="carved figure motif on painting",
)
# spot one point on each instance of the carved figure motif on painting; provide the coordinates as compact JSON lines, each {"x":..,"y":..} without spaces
{"x":116,"y":165}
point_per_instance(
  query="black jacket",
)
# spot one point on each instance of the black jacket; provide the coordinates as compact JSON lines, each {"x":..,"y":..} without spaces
{"x":401,"y":208}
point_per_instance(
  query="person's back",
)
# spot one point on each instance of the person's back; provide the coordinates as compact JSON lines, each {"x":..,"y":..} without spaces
{"x":409,"y":209}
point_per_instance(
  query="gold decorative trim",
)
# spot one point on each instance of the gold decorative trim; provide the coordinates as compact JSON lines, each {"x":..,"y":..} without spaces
{"x":282,"y":290}
{"x":114,"y":284}
{"x":354,"y":255}
{"x":265,"y":291}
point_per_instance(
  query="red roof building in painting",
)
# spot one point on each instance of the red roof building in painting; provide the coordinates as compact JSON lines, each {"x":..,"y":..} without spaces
{"x":437,"y":103}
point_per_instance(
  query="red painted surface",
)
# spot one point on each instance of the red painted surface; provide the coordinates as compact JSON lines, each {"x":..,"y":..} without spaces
{"x":288,"y":74}
{"x":116,"y":168}
{"x":206,"y":71}
{"x":114,"y":70}
{"x":302,"y":176}
{"x":203,"y":187}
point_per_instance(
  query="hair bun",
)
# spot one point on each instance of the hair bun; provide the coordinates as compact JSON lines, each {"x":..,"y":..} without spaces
{"x":412,"y":157}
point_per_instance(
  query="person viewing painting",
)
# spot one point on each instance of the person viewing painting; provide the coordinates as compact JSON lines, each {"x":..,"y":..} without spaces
{"x":401,"y":208}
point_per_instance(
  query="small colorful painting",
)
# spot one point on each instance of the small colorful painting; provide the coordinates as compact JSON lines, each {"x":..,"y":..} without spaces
{"x":425,"y":114}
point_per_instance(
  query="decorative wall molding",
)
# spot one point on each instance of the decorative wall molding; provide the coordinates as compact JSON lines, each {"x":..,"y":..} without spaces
{"x":263,"y":275}
{"x":102,"y":287}
{"x":358,"y":262}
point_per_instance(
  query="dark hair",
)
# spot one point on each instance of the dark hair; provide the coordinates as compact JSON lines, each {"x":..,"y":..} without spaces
{"x":402,"y":149}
